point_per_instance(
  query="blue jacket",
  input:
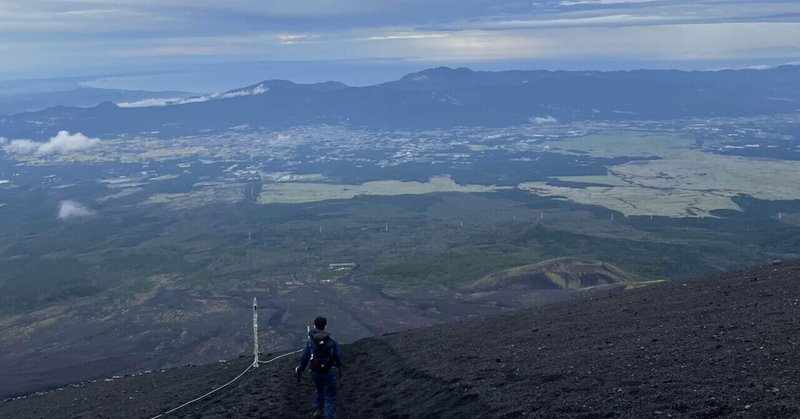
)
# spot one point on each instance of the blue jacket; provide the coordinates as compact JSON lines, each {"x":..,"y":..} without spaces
{"x":309,"y":349}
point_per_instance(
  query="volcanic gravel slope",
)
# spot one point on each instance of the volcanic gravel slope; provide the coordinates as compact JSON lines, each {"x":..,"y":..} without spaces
{"x":715,"y":347}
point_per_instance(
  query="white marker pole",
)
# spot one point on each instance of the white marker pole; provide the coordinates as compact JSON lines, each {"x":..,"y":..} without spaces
{"x":255,"y":333}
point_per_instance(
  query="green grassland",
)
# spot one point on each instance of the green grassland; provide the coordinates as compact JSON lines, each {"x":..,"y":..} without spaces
{"x":203,"y":194}
{"x":451,"y":239}
{"x":624,"y":143}
{"x":678,"y":181}
{"x":607,"y":180}
{"x":638,"y":200}
{"x":298,"y":192}
{"x":681,"y":214}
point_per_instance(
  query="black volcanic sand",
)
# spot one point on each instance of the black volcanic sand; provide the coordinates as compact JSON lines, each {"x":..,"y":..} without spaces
{"x":97,"y":338}
{"x":715,"y":347}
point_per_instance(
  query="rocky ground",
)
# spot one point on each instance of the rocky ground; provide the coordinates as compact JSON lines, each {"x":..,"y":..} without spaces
{"x":724,"y":346}
{"x":56,"y":346}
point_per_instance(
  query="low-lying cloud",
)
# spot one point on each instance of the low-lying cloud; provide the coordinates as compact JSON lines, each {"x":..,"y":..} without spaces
{"x":68,"y":210}
{"x":258,"y":90}
{"x":543,"y":120}
{"x":63,"y":142}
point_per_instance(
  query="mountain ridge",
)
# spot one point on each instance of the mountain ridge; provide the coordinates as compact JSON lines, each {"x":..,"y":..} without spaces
{"x":81,"y":97}
{"x":443,"y":97}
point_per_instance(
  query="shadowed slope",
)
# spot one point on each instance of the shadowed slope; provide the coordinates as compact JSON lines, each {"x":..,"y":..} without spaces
{"x":721,"y":346}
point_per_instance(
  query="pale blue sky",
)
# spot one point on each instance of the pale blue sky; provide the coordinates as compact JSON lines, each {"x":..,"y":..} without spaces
{"x":364,"y":41}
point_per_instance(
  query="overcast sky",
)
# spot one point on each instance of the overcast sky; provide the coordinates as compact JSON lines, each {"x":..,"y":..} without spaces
{"x":363,"y":41}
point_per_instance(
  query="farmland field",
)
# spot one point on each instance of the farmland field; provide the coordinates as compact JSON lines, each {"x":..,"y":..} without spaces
{"x":185,"y":231}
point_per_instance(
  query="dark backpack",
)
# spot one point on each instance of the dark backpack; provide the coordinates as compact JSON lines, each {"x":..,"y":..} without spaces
{"x":322,"y":354}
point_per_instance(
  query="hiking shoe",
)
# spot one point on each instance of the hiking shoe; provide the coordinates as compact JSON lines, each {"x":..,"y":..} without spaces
{"x":318,"y":414}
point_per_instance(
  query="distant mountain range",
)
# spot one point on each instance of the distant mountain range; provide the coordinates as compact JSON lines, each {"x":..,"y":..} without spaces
{"x":442,"y":97}
{"x":83,"y":97}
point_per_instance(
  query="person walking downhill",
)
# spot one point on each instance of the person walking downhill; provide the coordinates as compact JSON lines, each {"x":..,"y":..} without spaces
{"x":326,"y":367}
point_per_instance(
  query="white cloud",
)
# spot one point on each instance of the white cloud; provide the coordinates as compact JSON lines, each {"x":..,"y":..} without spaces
{"x":686,"y":42}
{"x":291,"y":39}
{"x":543,"y":120}
{"x":474,"y":45}
{"x":258,"y":90}
{"x":163,"y":102}
{"x":759,"y":67}
{"x":21,"y":147}
{"x":69,"y":209}
{"x":3,"y":140}
{"x":90,"y":34}
{"x":63,"y":142}
{"x":601,"y":2}
{"x":406,"y":36}
{"x":173,"y":50}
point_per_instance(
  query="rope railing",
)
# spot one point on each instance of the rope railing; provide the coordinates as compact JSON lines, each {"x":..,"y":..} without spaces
{"x":197,"y":399}
{"x":254,"y":365}
{"x":249,"y":367}
{"x":280,"y":356}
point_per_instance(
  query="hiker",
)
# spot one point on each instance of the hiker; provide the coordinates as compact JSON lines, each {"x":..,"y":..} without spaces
{"x":323,"y":352}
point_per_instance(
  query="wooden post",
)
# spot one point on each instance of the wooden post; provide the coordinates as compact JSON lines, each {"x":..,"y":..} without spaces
{"x":255,"y":333}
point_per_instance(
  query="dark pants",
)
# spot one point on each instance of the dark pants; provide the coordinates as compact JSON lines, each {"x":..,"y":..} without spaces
{"x":326,"y":392}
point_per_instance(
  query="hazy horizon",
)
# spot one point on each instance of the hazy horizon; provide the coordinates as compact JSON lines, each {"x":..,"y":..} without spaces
{"x":219,"y":77}
{"x":203,"y":47}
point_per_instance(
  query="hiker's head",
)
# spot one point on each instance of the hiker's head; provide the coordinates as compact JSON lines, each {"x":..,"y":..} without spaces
{"x":320,"y":323}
